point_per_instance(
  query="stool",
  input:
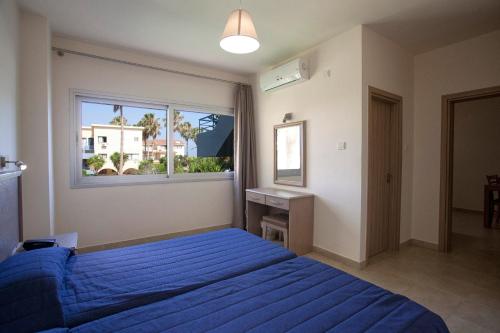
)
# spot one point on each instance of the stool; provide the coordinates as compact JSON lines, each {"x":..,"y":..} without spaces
{"x":275,"y":222}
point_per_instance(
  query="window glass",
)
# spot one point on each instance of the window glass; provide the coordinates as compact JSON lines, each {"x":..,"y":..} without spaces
{"x":130,"y":140}
{"x":203,"y":142}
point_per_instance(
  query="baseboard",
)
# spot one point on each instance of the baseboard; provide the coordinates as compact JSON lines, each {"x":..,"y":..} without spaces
{"x":137,"y":241}
{"x":420,"y":243}
{"x":338,"y":257}
{"x":469,"y":211}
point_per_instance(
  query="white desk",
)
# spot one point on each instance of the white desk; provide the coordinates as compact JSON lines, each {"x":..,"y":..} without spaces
{"x":299,"y":207}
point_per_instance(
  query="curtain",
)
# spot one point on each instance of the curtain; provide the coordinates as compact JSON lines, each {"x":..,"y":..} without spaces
{"x":245,"y":163}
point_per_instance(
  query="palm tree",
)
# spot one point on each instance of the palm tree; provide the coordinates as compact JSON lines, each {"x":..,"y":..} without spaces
{"x":151,"y":128}
{"x":178,"y":118}
{"x":188,"y":132}
{"x":117,"y":121}
{"x":185,"y":132}
{"x":119,"y":108}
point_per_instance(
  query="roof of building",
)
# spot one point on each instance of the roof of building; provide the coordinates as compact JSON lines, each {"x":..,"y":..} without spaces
{"x":163,"y":142}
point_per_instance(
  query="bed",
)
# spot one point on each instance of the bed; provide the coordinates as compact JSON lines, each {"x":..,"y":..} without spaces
{"x":224,"y":281}
{"x":48,"y":288}
{"x":297,"y":295}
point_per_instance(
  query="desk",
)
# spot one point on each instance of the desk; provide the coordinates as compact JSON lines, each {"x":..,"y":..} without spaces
{"x":300,"y":209}
{"x":488,"y":204}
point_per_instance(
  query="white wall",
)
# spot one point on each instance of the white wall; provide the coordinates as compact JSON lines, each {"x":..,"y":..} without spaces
{"x":476,"y":151}
{"x":468,"y":65}
{"x":9,"y":52}
{"x":332,"y":108}
{"x":389,"y":67}
{"x":36,"y":125}
{"x":110,"y":214}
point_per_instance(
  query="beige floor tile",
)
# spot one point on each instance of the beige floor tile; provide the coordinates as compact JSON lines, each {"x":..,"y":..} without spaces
{"x":460,"y":325}
{"x":462,"y":286}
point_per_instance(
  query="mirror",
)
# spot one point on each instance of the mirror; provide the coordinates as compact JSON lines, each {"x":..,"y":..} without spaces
{"x":289,"y":166}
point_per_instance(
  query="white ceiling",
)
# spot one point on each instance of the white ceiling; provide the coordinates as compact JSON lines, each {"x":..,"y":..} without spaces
{"x":190,"y":29}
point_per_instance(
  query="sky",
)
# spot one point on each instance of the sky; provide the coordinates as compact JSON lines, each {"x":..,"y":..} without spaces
{"x":94,"y":113}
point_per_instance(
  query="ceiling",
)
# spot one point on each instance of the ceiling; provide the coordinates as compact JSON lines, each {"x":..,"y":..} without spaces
{"x":190,"y":29}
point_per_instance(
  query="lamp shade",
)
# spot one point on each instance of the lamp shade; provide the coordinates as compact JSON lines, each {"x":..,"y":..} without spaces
{"x":239,"y":34}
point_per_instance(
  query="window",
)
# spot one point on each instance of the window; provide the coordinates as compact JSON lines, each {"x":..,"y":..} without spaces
{"x":141,"y":142}
{"x":203,"y":142}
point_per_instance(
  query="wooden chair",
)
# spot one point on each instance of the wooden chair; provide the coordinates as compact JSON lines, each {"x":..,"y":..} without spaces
{"x":495,"y":180}
{"x":275,"y":222}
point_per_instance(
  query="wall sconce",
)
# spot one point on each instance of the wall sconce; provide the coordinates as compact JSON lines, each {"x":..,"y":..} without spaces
{"x":288,"y":116}
{"x":20,"y":164}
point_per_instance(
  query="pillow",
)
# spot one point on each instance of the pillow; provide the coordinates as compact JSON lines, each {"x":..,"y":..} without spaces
{"x":29,"y":290}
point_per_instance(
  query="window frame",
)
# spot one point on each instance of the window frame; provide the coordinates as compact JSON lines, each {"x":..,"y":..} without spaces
{"x":77,"y":96}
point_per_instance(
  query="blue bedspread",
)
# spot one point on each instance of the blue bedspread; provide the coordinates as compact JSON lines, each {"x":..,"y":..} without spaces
{"x":298,"y":295}
{"x":106,"y":282}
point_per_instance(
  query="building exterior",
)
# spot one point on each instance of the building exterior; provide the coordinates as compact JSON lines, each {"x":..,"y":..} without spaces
{"x":159,"y":149}
{"x":104,"y":140}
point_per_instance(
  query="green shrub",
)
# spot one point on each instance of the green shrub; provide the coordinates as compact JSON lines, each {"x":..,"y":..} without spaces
{"x":204,"y":164}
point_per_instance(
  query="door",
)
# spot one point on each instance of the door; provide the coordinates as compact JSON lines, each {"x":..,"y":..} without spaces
{"x":384,"y":170}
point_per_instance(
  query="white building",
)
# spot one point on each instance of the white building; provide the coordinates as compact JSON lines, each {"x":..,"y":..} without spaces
{"x":104,"y":140}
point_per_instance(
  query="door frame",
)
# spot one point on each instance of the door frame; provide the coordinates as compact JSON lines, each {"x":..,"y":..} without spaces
{"x":396,"y":148}
{"x":446,"y":177}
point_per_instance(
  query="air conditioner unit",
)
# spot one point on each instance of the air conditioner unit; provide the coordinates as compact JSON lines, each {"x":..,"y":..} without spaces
{"x":290,"y":73}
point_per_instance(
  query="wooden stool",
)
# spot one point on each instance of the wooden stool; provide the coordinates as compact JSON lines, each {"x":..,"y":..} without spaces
{"x":275,"y":222}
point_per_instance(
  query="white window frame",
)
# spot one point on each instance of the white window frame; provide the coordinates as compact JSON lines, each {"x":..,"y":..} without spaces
{"x":79,"y":181}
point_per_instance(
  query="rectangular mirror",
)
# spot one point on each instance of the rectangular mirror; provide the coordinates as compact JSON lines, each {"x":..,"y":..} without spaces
{"x":289,"y":142}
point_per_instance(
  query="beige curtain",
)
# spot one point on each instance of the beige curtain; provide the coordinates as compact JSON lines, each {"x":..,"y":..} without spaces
{"x":245,"y":164}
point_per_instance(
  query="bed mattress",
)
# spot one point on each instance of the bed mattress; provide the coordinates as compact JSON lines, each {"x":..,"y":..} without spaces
{"x":105,"y":282}
{"x":297,"y":295}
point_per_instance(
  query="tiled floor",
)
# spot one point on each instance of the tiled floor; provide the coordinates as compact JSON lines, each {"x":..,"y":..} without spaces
{"x":462,"y":286}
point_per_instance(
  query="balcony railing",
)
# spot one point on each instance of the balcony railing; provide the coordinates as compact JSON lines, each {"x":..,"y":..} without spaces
{"x":88,"y":149}
{"x":208,"y":123}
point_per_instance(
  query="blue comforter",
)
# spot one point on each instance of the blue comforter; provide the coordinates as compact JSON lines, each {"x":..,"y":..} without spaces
{"x":106,"y":282}
{"x":298,"y":295}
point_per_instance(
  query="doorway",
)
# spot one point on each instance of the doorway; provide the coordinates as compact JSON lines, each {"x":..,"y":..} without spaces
{"x":449,"y":104}
{"x":384,"y":171}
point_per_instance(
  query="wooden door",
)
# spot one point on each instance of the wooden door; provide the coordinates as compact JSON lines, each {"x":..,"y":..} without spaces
{"x":384,"y":163}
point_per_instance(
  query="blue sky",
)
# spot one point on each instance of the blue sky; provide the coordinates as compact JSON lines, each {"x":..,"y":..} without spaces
{"x":93,"y":113}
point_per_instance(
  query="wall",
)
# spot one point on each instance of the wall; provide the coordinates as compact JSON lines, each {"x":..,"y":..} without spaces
{"x":476,"y":151}
{"x":9,"y":52}
{"x":468,"y":65}
{"x":332,"y":109}
{"x":99,"y":214}
{"x":389,"y":67}
{"x":36,"y":125}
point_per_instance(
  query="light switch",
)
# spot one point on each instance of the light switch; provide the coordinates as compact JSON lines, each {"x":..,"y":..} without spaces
{"x":341,"y":145}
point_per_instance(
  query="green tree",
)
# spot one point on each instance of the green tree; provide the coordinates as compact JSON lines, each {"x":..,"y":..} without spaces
{"x":95,"y":163}
{"x":118,"y":159}
{"x":118,"y":121}
{"x":119,"y":108}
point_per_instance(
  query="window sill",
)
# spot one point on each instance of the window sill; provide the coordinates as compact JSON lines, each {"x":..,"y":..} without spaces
{"x":104,"y":181}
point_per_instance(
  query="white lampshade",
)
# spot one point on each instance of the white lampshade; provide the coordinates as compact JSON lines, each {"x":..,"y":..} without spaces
{"x":239,"y":34}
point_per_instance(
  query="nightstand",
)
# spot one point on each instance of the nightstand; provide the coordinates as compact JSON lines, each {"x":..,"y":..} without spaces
{"x":69,"y":240}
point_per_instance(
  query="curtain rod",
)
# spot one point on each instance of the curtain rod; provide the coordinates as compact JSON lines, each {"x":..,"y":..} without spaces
{"x":61,"y":51}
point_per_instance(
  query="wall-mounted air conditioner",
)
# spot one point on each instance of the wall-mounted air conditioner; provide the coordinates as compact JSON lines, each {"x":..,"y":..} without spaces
{"x":290,"y":73}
